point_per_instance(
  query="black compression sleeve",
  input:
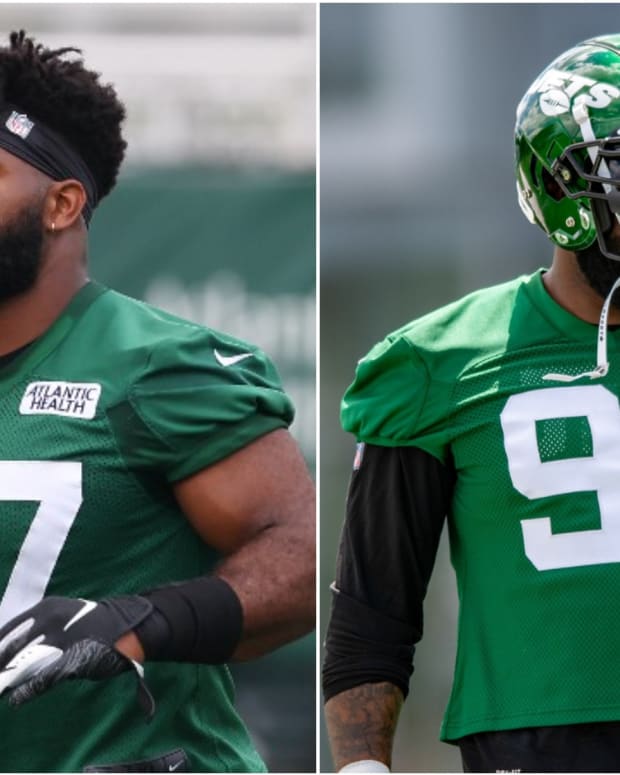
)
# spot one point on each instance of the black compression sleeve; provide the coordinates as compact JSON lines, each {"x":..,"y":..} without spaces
{"x":193,"y":621}
{"x":365,"y":646}
{"x":396,"y":506}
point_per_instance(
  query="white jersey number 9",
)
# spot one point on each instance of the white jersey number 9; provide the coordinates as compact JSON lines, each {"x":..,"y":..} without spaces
{"x":537,"y":479}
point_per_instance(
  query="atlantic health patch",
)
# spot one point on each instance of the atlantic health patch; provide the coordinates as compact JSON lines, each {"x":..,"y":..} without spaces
{"x":70,"y":399}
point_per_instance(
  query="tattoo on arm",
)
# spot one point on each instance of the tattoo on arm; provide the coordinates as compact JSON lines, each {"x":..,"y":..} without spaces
{"x":361,"y":723}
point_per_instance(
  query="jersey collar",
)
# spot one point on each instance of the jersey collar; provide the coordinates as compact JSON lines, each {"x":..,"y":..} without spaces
{"x":59,"y":329}
{"x":561,"y":319}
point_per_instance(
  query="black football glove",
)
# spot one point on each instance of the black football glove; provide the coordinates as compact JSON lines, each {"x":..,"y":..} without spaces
{"x":62,"y":638}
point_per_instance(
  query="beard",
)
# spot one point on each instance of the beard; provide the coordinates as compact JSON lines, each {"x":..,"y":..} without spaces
{"x":21,"y":243}
{"x":599,"y":271}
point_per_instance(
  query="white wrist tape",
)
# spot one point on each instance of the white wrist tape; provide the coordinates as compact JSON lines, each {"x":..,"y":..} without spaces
{"x":365,"y":765}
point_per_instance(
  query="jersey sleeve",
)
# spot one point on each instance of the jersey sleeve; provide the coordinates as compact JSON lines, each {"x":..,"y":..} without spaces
{"x":200,"y":398}
{"x":391,"y":401}
{"x":396,"y":506}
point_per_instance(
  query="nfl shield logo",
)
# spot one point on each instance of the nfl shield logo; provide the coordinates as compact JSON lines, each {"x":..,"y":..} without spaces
{"x":19,"y":124}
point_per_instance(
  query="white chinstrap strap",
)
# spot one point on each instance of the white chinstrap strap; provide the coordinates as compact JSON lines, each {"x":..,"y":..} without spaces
{"x":602,"y":364}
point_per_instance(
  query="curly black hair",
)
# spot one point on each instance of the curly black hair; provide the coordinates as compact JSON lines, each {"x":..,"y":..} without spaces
{"x":62,"y":94}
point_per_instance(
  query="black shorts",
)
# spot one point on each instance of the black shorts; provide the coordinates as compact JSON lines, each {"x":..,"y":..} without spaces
{"x":572,"y":748}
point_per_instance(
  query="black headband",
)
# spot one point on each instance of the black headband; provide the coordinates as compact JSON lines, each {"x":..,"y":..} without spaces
{"x":44,"y":149}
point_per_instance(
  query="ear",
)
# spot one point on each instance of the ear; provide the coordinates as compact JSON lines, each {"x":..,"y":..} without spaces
{"x":63,"y":205}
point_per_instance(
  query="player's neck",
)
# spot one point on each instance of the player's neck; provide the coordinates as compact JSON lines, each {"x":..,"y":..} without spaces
{"x":26,"y":317}
{"x":569,"y":288}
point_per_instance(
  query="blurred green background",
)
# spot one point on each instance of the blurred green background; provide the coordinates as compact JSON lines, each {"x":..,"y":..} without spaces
{"x":418,"y":207}
{"x":233,"y":250}
{"x":214,"y":219}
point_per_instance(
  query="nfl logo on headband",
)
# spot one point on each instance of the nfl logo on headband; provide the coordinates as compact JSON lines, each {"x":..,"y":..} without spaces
{"x":19,"y":124}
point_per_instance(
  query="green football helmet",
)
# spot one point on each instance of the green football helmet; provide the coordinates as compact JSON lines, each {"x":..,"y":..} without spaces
{"x":568,"y":146}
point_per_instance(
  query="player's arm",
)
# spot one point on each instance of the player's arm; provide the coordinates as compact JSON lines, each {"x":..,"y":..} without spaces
{"x":396,"y":505}
{"x":362,"y":723}
{"x":257,"y":507}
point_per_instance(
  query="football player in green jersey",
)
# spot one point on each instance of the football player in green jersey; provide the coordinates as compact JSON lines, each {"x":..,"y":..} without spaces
{"x":156,"y":515}
{"x":502,"y":412}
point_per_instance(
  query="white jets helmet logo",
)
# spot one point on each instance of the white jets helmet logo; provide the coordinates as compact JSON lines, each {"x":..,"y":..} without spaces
{"x":558,"y":90}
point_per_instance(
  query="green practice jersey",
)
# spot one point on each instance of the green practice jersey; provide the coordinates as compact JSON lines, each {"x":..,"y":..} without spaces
{"x":535,"y":517}
{"x":99,"y":417}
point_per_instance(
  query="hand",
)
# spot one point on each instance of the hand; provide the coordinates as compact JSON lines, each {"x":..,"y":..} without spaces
{"x":129,"y":645}
{"x":61,"y":638}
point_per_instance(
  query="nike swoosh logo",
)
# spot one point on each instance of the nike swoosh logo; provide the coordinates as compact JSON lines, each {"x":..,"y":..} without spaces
{"x":88,"y":606}
{"x":173,"y":767}
{"x":230,"y":360}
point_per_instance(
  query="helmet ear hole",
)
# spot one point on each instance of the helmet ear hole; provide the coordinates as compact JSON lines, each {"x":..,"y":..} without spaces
{"x":551,"y":186}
